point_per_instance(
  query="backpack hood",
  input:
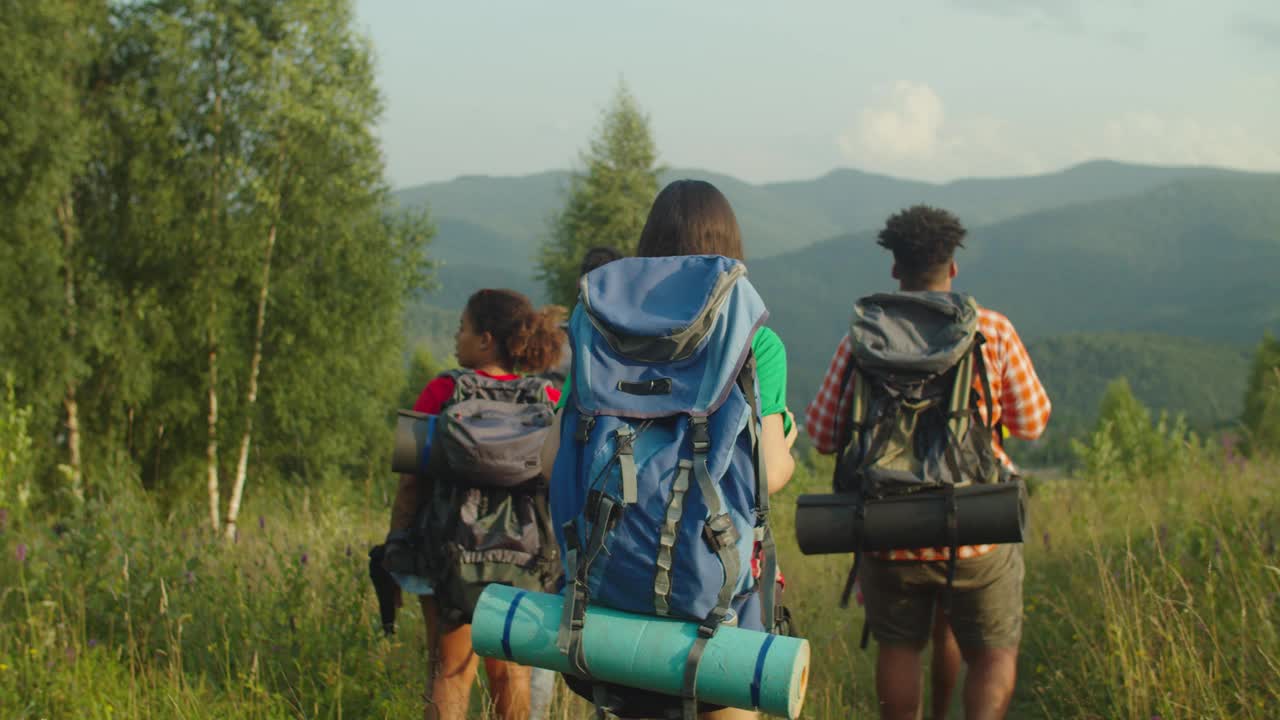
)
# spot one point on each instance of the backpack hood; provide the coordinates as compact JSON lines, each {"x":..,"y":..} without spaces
{"x":914,"y":332}
{"x":679,"y":326}
{"x":658,"y":308}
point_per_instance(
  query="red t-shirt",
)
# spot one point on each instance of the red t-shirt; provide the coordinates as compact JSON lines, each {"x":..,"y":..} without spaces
{"x":438,"y":391}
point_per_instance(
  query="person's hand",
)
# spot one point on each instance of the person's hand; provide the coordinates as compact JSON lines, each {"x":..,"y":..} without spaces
{"x":795,"y":430}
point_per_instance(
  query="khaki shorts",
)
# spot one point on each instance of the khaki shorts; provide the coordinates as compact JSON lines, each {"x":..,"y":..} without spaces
{"x":986,"y":600}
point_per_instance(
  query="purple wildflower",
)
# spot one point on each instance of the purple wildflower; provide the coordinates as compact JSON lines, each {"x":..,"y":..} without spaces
{"x":348,"y":551}
{"x":21,"y":552}
{"x":304,"y":559}
{"x":1046,"y":538}
{"x":262,"y":522}
{"x":93,"y":643}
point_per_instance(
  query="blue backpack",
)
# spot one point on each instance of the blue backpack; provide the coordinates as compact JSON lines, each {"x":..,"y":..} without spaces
{"x":658,"y":494}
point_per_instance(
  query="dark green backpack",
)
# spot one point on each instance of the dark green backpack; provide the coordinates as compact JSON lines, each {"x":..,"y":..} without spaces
{"x":914,"y":422}
{"x":915,"y":425}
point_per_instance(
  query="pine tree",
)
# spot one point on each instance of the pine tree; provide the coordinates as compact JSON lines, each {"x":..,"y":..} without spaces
{"x":608,"y":200}
{"x":1261,"y":417}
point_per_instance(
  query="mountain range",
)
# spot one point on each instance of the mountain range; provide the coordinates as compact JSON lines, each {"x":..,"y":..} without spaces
{"x":1096,"y":260}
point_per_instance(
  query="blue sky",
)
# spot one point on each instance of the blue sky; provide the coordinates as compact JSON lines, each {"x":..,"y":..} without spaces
{"x":932,"y":89}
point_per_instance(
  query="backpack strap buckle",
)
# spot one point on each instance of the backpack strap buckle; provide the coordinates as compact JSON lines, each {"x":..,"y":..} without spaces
{"x":625,"y":439}
{"x":701,"y":435}
{"x":586,"y":423}
{"x":592,"y":508}
{"x":720,"y":533}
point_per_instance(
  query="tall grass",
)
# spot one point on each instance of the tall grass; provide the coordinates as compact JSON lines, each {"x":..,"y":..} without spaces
{"x":1151,"y":596}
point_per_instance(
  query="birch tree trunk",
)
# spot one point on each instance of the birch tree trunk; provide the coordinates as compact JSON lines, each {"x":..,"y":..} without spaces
{"x":242,"y":464}
{"x":66,"y":220}
{"x":211,"y":451}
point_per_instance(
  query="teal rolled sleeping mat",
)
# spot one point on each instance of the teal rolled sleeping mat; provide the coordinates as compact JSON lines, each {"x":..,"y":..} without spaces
{"x":740,"y":668}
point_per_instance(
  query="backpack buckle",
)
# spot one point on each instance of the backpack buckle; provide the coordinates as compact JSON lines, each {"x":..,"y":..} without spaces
{"x":586,"y":423}
{"x":625,"y":438}
{"x":592,"y":508}
{"x":720,"y":533}
{"x":701,"y":435}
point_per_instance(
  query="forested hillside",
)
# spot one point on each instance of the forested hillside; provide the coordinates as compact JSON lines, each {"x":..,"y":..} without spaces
{"x":1194,"y":259}
{"x":494,"y":220}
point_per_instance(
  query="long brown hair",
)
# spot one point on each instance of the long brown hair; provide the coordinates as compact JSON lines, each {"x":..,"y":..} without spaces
{"x":691,"y":217}
{"x":528,"y":340}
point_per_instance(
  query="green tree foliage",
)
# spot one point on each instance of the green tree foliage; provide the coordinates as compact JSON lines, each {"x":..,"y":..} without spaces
{"x":54,"y":313}
{"x":1261,"y":418}
{"x":1125,"y":445}
{"x":423,"y":367}
{"x":212,"y":273}
{"x":607,"y":202}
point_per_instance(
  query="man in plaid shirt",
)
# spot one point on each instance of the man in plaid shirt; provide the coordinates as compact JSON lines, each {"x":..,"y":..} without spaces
{"x":901,"y":587}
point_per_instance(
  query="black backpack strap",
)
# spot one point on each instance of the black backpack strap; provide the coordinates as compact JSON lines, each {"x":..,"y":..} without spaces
{"x":954,"y":547}
{"x":854,"y":424}
{"x":850,"y":580}
{"x":385,"y":587}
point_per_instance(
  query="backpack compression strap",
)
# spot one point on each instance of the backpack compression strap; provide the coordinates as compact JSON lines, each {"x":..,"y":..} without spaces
{"x":667,"y":538}
{"x":960,"y":422}
{"x":721,"y":535}
{"x":858,"y":410}
{"x":578,"y":561}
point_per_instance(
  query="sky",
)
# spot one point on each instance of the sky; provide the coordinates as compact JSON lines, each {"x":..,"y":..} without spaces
{"x":769,"y":91}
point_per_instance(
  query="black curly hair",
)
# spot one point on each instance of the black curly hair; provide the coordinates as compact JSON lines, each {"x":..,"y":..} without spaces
{"x":923,"y":240}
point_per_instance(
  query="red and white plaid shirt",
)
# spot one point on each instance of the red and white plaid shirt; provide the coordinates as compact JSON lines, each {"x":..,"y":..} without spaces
{"x":1022,"y":406}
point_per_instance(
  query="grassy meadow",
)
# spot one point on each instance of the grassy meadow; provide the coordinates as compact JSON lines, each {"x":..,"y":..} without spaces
{"x":1145,"y":597}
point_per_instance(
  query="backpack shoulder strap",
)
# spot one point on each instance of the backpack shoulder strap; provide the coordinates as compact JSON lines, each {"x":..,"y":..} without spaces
{"x":533,"y":389}
{"x":959,"y":417}
{"x":748,"y":381}
{"x":460,"y":389}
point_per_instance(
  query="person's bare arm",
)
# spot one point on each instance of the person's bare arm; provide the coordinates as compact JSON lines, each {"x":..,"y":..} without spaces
{"x":775,"y":451}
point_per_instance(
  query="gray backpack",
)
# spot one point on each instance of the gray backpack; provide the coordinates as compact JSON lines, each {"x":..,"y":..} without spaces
{"x":486,"y":519}
{"x":490,"y":432}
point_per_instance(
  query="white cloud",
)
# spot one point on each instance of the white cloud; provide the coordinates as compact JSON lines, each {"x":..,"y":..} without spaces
{"x":1146,"y":137}
{"x":906,"y":125}
{"x":908,"y":132}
